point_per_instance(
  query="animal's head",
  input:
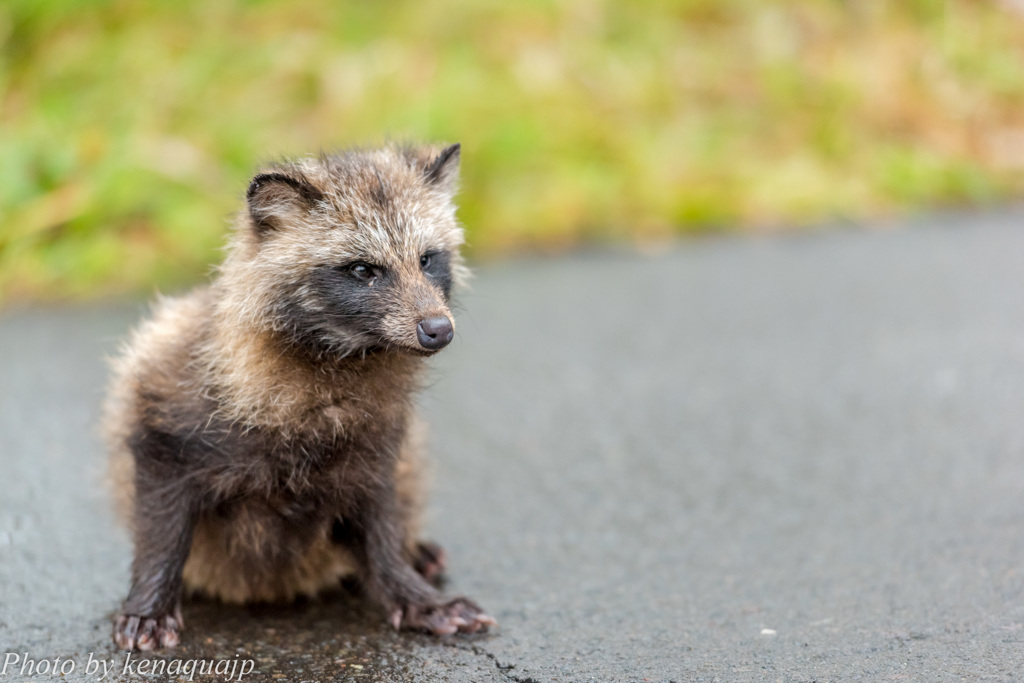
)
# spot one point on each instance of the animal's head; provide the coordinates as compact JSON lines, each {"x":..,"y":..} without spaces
{"x":352,"y":252}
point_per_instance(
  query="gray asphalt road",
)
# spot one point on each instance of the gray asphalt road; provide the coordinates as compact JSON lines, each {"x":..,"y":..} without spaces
{"x":785,"y":459}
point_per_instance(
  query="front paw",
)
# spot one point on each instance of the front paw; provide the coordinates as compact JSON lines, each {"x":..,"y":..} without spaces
{"x":461,"y":615}
{"x":148,"y":633}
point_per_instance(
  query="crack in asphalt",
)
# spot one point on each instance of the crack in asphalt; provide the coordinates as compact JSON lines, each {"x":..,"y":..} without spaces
{"x":504,"y":669}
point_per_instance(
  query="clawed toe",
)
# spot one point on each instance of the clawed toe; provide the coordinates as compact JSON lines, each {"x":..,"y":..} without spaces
{"x":133,"y":632}
{"x":458,"y":616}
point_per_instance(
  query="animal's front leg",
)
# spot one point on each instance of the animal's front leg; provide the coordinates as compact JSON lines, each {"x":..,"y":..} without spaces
{"x":165,"y":516}
{"x":375,"y":535}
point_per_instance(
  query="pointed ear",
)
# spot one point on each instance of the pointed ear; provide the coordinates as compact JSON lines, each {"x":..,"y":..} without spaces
{"x":275,"y":197}
{"x":443,"y":170}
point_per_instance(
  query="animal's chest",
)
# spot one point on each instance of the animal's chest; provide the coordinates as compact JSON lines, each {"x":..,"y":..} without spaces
{"x":287,"y":494}
{"x":327,"y":463}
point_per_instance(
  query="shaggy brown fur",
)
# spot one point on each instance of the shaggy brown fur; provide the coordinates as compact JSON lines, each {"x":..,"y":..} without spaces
{"x":262,"y":428}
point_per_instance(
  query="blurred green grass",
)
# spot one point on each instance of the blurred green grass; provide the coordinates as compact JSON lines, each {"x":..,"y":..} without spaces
{"x":128,"y":129}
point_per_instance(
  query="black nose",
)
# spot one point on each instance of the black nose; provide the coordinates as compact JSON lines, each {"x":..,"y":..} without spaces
{"x":435,"y":333}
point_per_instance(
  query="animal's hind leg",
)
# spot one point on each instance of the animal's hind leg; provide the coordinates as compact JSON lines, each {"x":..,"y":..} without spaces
{"x":431,"y":561}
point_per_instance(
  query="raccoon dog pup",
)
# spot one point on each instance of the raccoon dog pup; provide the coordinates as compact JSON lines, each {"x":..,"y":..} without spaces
{"x":262,"y":428}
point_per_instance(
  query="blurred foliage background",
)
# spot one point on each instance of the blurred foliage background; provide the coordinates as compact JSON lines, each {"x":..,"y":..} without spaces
{"x":128,"y":129}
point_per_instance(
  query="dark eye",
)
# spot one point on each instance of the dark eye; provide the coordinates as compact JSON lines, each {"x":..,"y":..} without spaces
{"x":425,"y":261}
{"x":363,"y":272}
